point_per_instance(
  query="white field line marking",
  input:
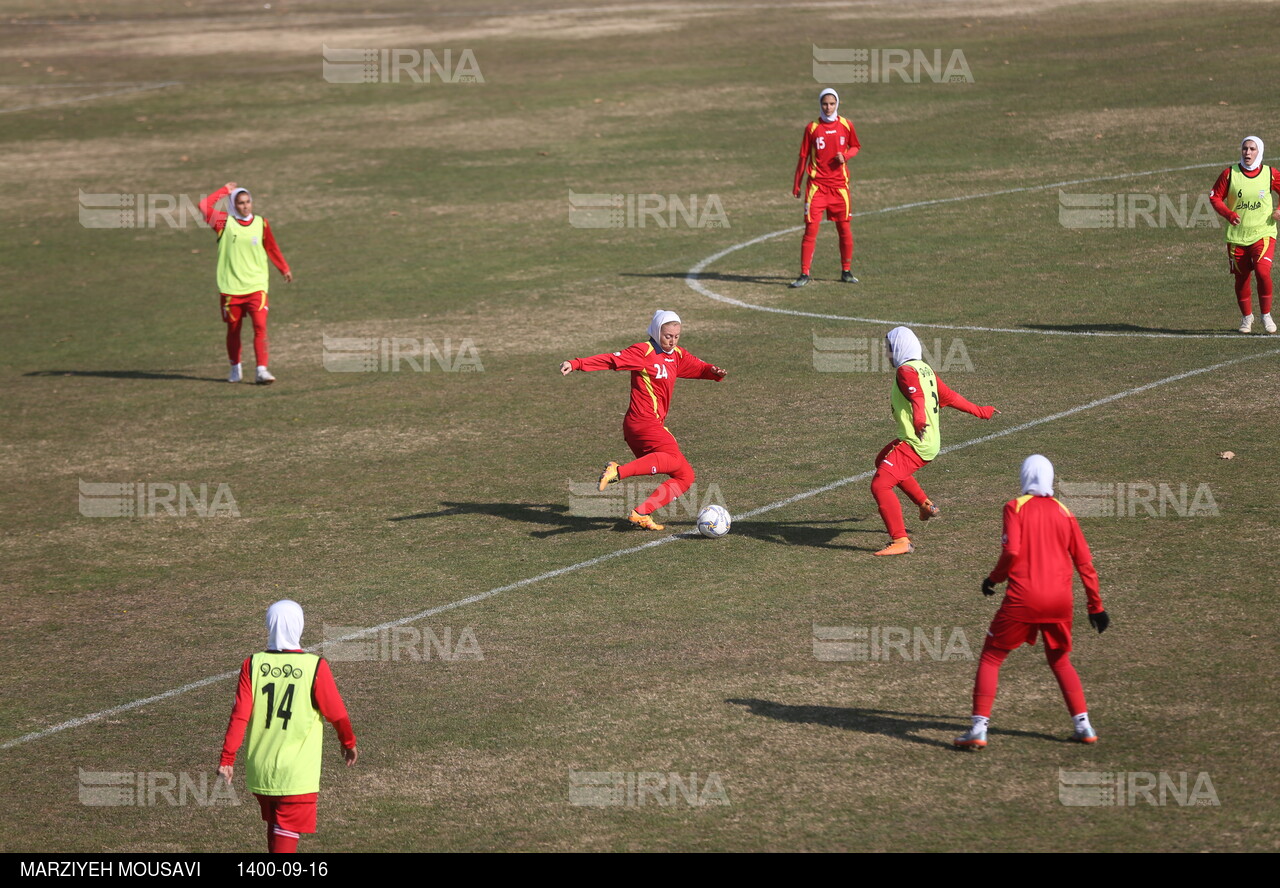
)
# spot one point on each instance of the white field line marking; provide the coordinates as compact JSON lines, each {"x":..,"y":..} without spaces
{"x":101,"y":95}
{"x":591,"y":562}
{"x":691,"y":279}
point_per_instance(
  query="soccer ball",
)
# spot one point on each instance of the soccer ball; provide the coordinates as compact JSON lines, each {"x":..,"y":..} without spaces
{"x":714,"y":521}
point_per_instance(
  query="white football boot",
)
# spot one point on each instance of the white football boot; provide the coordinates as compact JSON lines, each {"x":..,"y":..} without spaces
{"x":1246,"y":325}
{"x":265,"y":377}
{"x":235,"y":375}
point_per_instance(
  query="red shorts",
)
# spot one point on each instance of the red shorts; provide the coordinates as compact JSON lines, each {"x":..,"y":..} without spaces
{"x":234,"y":307}
{"x":1008,"y":634}
{"x":1255,"y":257}
{"x":898,"y":460}
{"x":835,"y":201}
{"x":296,"y":813}
{"x":649,"y":439}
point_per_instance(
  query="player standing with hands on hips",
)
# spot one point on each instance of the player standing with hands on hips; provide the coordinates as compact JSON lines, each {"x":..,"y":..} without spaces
{"x":1042,"y":542}
{"x":917,"y":395}
{"x":1242,"y":196}
{"x":655,"y":365}
{"x":245,"y":243}
{"x":829,"y":143}
{"x":281,"y":698}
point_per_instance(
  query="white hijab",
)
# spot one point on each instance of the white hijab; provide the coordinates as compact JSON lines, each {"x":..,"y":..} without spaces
{"x":903,"y":346}
{"x":661,"y":318}
{"x":1037,"y":475}
{"x":821,"y":114}
{"x":1257,"y":161}
{"x":231,"y":205}
{"x":284,"y":626}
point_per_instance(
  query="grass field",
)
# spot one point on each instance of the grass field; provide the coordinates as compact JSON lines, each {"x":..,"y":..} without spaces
{"x":440,"y":210}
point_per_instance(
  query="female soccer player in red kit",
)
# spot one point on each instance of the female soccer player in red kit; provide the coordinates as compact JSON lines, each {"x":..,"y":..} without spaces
{"x":829,"y":143}
{"x":282,"y":695}
{"x":655,"y":365}
{"x":917,"y":395}
{"x":243,"y":250}
{"x":1242,"y":196}
{"x":1042,"y":542}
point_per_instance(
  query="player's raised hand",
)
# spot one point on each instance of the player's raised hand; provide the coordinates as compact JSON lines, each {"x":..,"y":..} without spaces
{"x":1100,"y":621}
{"x":566,"y":368}
{"x":231,"y":186}
{"x":225,"y":772}
{"x":988,"y":587}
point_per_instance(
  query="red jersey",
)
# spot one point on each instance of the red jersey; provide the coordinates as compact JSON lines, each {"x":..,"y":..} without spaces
{"x":1042,"y":541}
{"x":653,"y":377}
{"x":217,"y":220}
{"x":324,"y":696}
{"x":1218,"y":195}
{"x":818,"y":149}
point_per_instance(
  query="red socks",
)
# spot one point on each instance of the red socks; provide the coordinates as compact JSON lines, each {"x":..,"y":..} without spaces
{"x":281,"y":841}
{"x":661,"y":462}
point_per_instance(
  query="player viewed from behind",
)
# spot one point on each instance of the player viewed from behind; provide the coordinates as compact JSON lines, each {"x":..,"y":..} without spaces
{"x":655,"y":365}
{"x":1242,"y":196}
{"x":245,"y":243}
{"x":1042,"y":543}
{"x":282,"y":695}
{"x":918,"y":394}
{"x":829,"y":143}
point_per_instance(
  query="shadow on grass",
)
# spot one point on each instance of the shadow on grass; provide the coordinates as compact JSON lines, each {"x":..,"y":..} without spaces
{"x":717,"y":276}
{"x":553,"y":514}
{"x":899,"y":725}
{"x":126,"y":374}
{"x":1121,"y":328}
{"x":807,"y":533}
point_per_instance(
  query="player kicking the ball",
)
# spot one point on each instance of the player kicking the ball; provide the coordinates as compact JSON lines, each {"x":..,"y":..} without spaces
{"x":1042,"y":541}
{"x":655,"y":365}
{"x":829,"y":143}
{"x":918,"y":394}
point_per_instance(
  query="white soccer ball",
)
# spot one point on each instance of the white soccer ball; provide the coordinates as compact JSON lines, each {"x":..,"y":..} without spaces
{"x":714,"y":521}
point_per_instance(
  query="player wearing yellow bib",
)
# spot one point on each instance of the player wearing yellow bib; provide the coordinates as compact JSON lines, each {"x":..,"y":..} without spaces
{"x":918,"y":394}
{"x":283,"y":697}
{"x":1243,"y":196}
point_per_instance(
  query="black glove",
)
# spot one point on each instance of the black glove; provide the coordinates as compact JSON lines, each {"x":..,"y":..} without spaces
{"x":1100,"y":621}
{"x":988,"y":587}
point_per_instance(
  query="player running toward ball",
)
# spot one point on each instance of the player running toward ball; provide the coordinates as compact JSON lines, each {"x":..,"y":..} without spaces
{"x":829,"y":143}
{"x":1042,"y":542}
{"x":1242,"y":196}
{"x":245,"y":243}
{"x":655,"y":365}
{"x":918,"y":394}
{"x":282,"y":695}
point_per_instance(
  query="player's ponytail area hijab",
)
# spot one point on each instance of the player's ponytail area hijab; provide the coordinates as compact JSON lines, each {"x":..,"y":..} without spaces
{"x":284,"y":626}
{"x":1037,"y":476}
{"x":903,"y":346}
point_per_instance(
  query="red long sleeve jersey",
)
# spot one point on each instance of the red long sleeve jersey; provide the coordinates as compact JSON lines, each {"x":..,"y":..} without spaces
{"x":324,"y":695}
{"x":1218,"y":195}
{"x":217,"y":220}
{"x":653,"y":377}
{"x":818,"y":149}
{"x":909,"y":384}
{"x":1042,"y":541}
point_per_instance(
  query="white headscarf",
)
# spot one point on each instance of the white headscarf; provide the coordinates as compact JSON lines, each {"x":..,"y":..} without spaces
{"x":1037,"y":475}
{"x":231,"y":205}
{"x":822,"y":114}
{"x":661,"y":318}
{"x":1257,"y":161}
{"x":903,"y":346}
{"x":284,"y":626}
